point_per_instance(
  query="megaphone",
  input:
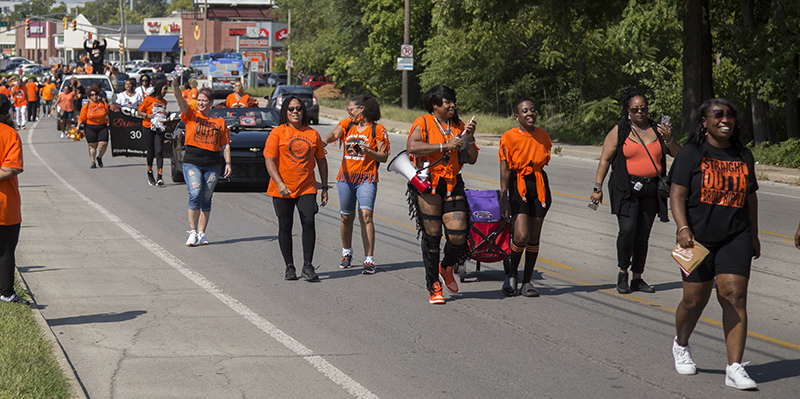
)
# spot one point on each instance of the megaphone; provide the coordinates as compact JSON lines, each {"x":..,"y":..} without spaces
{"x":402,"y":164}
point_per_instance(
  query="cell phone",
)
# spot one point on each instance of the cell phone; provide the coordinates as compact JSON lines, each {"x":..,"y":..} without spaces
{"x":592,"y":205}
{"x":665,"y":120}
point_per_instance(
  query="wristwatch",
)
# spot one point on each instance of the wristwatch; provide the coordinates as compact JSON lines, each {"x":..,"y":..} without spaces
{"x":598,"y":188}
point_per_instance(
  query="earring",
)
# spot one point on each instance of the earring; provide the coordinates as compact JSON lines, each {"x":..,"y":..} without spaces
{"x":704,"y":131}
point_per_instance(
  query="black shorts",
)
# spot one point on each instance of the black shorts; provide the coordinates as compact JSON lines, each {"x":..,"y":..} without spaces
{"x":95,"y":133}
{"x":533,"y":207}
{"x":458,"y":191}
{"x":734,"y":256}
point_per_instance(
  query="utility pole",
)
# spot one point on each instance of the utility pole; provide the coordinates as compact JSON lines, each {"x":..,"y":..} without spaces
{"x":406,"y":40}
{"x":205,"y":29}
{"x":289,"y":62}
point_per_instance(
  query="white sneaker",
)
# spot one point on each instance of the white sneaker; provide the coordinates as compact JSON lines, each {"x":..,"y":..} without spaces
{"x":193,"y":238}
{"x":683,"y":359}
{"x":736,"y":377}
{"x":201,"y":238}
{"x":63,"y":136}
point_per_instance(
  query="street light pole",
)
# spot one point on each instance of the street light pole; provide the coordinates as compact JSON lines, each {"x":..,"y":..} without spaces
{"x":205,"y":28}
{"x":406,"y":40}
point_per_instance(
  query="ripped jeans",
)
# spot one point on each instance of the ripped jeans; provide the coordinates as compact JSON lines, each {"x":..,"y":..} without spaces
{"x":201,"y":180}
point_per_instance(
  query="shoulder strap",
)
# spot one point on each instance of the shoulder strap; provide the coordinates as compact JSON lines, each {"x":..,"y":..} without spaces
{"x":373,"y":129}
{"x":425,"y":133}
{"x":646,"y":150}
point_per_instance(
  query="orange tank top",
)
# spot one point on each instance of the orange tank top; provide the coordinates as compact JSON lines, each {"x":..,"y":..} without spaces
{"x":637,"y":160}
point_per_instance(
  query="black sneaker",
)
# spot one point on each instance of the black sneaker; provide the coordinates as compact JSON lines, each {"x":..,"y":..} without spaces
{"x":159,"y":181}
{"x":638,"y":284}
{"x":150,"y":179}
{"x":346,"y":259}
{"x":291,"y":273}
{"x":14,"y":298}
{"x":622,"y":283}
{"x":369,"y":268}
{"x":94,"y":166}
{"x":309,"y":274}
{"x":100,"y":162}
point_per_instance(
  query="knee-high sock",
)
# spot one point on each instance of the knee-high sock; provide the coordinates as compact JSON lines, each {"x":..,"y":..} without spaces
{"x":514,"y":258}
{"x":531,"y":253}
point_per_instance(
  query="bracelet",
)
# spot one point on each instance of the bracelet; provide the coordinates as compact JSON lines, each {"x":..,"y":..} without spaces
{"x":670,"y":142}
{"x":471,"y":142}
{"x":681,"y":229}
{"x":440,"y":147}
{"x":227,"y":163}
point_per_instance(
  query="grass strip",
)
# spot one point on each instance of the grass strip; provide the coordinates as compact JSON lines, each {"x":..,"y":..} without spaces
{"x":28,"y":367}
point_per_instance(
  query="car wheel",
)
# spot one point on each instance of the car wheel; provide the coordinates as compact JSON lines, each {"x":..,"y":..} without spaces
{"x":314,"y":121}
{"x":177,"y":163}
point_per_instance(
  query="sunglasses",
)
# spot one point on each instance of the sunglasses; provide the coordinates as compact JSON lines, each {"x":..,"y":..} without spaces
{"x":351,"y":109}
{"x":636,"y":110}
{"x":93,"y":94}
{"x":719,"y":114}
{"x":292,"y":109}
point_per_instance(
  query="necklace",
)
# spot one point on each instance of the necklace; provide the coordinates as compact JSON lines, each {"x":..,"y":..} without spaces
{"x":445,"y":132}
{"x":638,"y":133}
{"x":524,"y":133}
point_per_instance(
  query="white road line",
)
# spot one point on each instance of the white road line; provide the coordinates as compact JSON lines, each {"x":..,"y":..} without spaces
{"x":322,"y":365}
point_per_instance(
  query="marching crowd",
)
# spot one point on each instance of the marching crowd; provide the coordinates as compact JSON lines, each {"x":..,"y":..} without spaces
{"x":711,"y":186}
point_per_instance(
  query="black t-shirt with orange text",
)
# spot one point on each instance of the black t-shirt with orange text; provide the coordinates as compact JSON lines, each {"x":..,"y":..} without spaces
{"x":719,"y":181}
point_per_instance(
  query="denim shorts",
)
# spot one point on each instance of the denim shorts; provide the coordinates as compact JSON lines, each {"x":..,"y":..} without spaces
{"x":349,"y":192}
{"x":201,"y":180}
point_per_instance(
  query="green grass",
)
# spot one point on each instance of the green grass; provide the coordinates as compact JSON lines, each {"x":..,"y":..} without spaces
{"x":487,"y":123}
{"x":28,"y":368}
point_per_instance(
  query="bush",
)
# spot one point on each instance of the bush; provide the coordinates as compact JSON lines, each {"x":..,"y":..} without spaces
{"x":786,"y":153}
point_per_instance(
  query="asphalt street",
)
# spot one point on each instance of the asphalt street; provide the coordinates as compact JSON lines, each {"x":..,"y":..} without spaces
{"x":139,"y":315}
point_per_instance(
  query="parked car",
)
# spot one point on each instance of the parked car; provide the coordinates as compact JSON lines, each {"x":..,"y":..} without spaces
{"x":137,"y":74}
{"x":249,"y":129}
{"x":90,"y":80}
{"x":317,"y":80}
{"x":12,"y":63}
{"x":271,"y":79}
{"x":32,"y":69}
{"x":304,"y":93}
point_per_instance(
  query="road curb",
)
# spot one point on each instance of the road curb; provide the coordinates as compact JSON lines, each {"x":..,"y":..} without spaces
{"x":55,"y":346}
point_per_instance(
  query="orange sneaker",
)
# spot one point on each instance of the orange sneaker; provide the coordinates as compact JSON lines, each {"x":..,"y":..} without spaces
{"x":446,"y":276}
{"x":436,"y":294}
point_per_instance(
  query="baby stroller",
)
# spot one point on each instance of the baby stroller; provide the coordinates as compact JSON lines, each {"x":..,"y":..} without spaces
{"x":489,"y":238}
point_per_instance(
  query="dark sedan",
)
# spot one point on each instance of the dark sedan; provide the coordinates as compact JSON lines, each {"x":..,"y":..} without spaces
{"x":249,"y":129}
{"x":305,"y":94}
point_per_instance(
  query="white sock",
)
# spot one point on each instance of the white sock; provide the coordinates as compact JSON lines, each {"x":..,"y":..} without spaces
{"x":369,"y":259}
{"x":348,"y":251}
{"x":201,"y":233}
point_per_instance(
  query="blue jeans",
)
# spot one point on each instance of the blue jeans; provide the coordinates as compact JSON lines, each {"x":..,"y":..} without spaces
{"x":201,"y":180}
{"x":349,"y":192}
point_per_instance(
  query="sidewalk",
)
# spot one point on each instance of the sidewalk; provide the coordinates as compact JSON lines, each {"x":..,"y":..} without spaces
{"x":773,"y":173}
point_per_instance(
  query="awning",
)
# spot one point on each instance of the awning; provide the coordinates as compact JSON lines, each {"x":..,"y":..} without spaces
{"x":160,"y":43}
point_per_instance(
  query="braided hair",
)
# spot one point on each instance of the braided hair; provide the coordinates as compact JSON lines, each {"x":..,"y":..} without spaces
{"x":624,"y":123}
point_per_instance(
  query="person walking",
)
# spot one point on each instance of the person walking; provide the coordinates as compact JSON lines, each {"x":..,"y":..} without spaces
{"x":635,"y":149}
{"x":20,"y":94}
{"x":154,"y":111}
{"x":129,"y":97}
{"x":145,"y":89}
{"x":714,"y":203}
{"x":291,"y":153}
{"x":207,"y":150}
{"x":525,"y":194}
{"x":32,"y":89}
{"x":437,"y":139}
{"x":94,"y":121}
{"x":365,"y":146}
{"x":49,"y":92}
{"x":65,"y":99}
{"x":11,"y":210}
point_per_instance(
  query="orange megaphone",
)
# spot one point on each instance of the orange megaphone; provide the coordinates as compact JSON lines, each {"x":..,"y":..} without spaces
{"x":402,"y":164}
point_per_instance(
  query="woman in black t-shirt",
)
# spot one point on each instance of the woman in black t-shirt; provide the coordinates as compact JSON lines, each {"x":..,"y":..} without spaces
{"x":714,"y":203}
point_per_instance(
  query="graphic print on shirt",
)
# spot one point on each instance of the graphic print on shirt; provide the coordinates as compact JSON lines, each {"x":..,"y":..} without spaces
{"x":206,"y":133}
{"x":350,"y":152}
{"x":724,"y":182}
{"x":299,"y":149}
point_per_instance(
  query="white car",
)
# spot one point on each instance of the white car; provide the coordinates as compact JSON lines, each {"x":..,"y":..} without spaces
{"x":137,"y":74}
{"x":26,"y":68}
{"x":91,"y":80}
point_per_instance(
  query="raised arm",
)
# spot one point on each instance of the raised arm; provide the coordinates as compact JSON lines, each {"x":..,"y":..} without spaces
{"x":176,"y":89}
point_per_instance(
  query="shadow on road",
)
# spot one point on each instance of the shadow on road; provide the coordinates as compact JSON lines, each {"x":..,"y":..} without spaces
{"x":96,"y":318}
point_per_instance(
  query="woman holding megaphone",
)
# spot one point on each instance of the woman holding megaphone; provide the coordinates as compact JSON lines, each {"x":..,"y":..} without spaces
{"x":443,"y":143}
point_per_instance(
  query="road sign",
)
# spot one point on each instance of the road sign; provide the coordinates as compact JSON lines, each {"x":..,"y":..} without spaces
{"x":407,"y":51}
{"x":254,"y":66}
{"x":405,"y":64}
{"x":259,"y":56}
{"x":289,"y":64}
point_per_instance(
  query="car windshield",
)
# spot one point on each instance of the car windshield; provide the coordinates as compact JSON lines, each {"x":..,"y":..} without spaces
{"x":247,"y":117}
{"x":88,"y":82}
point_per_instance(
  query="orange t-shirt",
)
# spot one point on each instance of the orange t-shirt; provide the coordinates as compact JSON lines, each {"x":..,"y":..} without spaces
{"x":47,"y":91}
{"x":20,"y":96}
{"x":193,"y":94}
{"x":10,"y":201}
{"x":185,"y":94}
{"x":360,"y":168}
{"x":432,"y":134}
{"x":203,"y":132}
{"x":66,"y":101}
{"x":33,"y":91}
{"x":6,"y":91}
{"x":526,"y":153}
{"x":152,"y":105}
{"x":244,"y":101}
{"x":94,"y":113}
{"x":295,"y":152}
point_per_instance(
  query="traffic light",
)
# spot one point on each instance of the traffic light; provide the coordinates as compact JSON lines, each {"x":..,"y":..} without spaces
{"x":28,"y":26}
{"x":74,"y":25}
{"x":66,"y":23}
{"x":180,"y":41}
{"x":121,"y":50}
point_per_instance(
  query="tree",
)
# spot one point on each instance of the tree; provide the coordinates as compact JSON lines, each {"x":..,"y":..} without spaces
{"x":697,"y":60}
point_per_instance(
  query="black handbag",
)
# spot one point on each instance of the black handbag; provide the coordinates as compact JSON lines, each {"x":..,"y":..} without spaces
{"x":663,"y":184}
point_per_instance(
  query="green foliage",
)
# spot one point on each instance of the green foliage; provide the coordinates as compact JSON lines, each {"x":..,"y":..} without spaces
{"x":786,"y":153}
{"x":175,"y":5}
{"x":279,"y":64}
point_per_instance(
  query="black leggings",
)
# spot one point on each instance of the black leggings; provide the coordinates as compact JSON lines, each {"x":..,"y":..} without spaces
{"x":9,"y":236}
{"x":155,"y":147}
{"x":634,"y":233}
{"x":284,"y":209}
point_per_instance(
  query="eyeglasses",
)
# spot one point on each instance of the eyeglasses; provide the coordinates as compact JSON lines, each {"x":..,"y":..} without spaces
{"x":292,"y":109}
{"x":93,"y":94}
{"x":719,"y":114}
{"x":636,"y":110}
{"x":351,"y":109}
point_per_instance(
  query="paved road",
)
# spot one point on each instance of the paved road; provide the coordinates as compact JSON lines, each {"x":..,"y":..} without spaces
{"x":139,"y":315}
